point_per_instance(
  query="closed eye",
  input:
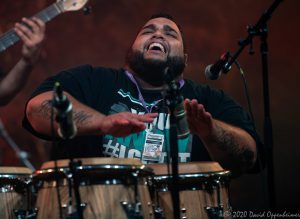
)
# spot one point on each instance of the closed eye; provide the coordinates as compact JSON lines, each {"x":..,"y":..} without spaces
{"x":147,"y":32}
{"x":172,"y":35}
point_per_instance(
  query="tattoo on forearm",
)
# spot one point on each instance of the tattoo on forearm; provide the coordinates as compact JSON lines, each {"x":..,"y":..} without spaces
{"x":81,"y":118}
{"x":228,"y":143}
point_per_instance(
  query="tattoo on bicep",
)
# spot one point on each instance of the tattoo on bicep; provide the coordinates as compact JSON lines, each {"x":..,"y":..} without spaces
{"x":81,"y":117}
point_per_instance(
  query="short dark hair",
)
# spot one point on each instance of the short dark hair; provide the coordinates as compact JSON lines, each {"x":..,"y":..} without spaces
{"x":170,"y":17}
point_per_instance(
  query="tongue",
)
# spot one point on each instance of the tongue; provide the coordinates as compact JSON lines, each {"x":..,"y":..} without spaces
{"x":156,"y":48}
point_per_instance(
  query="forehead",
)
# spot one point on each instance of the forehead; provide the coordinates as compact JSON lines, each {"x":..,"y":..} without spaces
{"x":162,"y":23}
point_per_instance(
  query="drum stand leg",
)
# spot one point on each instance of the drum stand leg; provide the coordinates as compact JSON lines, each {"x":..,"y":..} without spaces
{"x":68,"y":208}
{"x":216,"y":212}
{"x":133,"y":210}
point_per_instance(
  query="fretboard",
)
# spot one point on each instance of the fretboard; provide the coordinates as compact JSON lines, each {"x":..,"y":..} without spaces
{"x":10,"y":37}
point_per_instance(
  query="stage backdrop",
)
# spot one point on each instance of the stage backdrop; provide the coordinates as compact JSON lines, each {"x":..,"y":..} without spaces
{"x":210,"y":28}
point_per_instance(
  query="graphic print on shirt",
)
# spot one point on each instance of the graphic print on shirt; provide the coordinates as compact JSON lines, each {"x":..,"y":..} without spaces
{"x":153,"y":138}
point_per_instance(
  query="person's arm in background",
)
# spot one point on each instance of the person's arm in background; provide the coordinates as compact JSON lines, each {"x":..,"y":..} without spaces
{"x":32,"y":34}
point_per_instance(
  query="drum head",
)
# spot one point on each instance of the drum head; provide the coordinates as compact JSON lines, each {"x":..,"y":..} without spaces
{"x":190,"y":174}
{"x":100,"y":168}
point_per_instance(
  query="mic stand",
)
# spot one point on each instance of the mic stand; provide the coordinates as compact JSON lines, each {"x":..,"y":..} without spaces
{"x":261,"y":29}
{"x":172,"y":98}
{"x":73,"y":183}
{"x":22,"y":155}
{"x":72,"y":176}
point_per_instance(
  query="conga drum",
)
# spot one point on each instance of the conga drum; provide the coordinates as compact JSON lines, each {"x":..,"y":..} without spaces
{"x":15,"y":195}
{"x":203,"y":190}
{"x":110,"y":188}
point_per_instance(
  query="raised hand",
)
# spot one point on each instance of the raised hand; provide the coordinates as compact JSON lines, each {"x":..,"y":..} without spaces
{"x":200,"y":121}
{"x":32,"y":33}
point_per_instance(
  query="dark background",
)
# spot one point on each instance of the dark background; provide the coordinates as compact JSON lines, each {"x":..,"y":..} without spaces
{"x":210,"y":27}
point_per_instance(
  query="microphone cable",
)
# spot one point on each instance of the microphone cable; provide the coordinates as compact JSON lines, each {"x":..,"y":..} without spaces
{"x":259,"y":158}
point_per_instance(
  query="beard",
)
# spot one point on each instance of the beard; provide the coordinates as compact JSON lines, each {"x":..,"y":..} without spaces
{"x":152,"y":71}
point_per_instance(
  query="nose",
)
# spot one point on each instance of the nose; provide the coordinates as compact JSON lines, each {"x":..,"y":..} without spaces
{"x":158,"y":34}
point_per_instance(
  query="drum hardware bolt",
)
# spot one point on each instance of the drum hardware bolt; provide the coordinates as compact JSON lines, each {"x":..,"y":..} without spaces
{"x":26,"y":214}
{"x":69,"y":208}
{"x":184,"y":217}
{"x":158,"y":213}
{"x":83,"y":205}
{"x":64,"y":206}
{"x":69,"y":211}
{"x":183,"y":210}
{"x":214,"y":212}
{"x":132,"y":210}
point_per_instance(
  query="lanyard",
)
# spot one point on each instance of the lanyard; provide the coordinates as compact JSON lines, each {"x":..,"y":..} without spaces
{"x":141,"y":98}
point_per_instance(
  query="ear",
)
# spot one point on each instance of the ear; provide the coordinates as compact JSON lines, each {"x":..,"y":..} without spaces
{"x":185,"y":59}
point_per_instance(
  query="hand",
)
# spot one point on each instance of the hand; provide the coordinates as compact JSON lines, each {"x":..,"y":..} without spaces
{"x":125,"y":123}
{"x":200,"y":121}
{"x":32,"y":33}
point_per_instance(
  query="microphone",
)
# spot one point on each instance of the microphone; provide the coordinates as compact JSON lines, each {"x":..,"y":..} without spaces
{"x":214,"y":71}
{"x":67,"y":128}
{"x":175,"y":100}
{"x":180,"y":115}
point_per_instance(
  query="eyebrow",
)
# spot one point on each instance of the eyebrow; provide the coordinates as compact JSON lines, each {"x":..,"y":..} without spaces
{"x":166,"y":28}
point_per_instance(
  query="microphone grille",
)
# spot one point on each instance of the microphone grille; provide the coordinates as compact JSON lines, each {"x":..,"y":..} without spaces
{"x":208,"y":73}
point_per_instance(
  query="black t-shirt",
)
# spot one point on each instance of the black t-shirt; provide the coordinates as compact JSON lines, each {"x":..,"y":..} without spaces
{"x":111,"y":91}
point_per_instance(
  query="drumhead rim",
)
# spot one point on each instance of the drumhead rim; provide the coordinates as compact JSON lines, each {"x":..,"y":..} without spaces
{"x":91,"y":167}
{"x":225,"y":173}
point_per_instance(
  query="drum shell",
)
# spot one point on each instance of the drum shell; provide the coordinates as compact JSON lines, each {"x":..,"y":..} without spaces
{"x":15,"y":191}
{"x":104,"y":184}
{"x":201,"y":185}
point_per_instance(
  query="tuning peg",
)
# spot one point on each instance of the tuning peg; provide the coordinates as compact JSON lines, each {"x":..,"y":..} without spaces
{"x":87,"y":10}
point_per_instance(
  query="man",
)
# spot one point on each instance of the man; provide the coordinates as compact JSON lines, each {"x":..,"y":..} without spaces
{"x":32,"y":34}
{"x":119,"y":111}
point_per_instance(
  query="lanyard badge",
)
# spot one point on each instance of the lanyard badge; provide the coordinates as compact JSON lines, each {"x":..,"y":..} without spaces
{"x":153,"y":147}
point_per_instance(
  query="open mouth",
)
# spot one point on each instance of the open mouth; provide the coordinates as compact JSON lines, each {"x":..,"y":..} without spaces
{"x":156,"y":47}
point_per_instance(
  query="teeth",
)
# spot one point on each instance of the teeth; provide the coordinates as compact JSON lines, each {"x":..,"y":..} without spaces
{"x":152,"y":45}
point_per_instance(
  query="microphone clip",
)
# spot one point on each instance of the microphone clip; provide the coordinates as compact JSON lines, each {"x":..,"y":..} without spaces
{"x":64,"y":116}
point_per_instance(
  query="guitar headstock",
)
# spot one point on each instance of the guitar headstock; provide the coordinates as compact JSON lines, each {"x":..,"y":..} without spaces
{"x":71,"y":5}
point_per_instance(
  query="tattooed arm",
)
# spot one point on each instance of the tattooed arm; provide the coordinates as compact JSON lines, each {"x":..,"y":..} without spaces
{"x":87,"y":120}
{"x":231,"y":146}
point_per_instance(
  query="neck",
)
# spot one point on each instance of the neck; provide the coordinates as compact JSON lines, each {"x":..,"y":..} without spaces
{"x":143,"y":84}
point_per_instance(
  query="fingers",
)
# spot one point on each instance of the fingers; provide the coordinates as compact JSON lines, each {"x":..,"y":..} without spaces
{"x":40,"y":24}
{"x":31,"y":31}
{"x":123,"y":124}
{"x":23,"y":32}
{"x":138,"y":121}
{"x":196,"y":111}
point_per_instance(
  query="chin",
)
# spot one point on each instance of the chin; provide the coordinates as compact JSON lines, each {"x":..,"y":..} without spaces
{"x":156,"y":59}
